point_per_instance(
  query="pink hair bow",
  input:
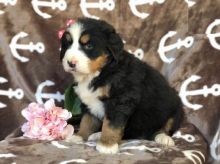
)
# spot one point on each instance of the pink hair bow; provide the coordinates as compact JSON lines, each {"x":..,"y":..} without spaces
{"x":68,"y":23}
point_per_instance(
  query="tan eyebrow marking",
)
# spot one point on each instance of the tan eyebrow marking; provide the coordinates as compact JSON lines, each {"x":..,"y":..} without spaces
{"x":85,"y":38}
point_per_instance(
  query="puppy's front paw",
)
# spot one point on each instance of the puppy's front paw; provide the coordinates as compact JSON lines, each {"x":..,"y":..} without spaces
{"x":164,"y":139}
{"x":107,"y":149}
{"x":75,"y":139}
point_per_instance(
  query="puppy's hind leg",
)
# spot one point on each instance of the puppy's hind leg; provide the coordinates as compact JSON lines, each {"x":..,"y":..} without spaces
{"x":172,"y":124}
{"x":164,"y":139}
{"x":162,"y":136}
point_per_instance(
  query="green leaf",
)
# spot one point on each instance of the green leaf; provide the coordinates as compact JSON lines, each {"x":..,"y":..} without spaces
{"x":72,"y":102}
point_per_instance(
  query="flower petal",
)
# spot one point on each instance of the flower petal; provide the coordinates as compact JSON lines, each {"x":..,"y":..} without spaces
{"x":26,"y":114}
{"x":65,"y":114}
{"x":49,"y":104}
{"x":67,"y":132}
{"x":25,"y":127}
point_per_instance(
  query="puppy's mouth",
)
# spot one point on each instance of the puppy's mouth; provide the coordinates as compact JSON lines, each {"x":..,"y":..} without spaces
{"x":73,"y":68}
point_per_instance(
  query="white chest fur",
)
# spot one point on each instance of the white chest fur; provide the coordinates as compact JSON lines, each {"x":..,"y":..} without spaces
{"x":90,"y":98}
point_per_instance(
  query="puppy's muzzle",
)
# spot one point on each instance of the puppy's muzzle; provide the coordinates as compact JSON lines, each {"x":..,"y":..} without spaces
{"x":71,"y":64}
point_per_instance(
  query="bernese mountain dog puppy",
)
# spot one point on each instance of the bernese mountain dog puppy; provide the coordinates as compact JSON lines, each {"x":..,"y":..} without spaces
{"x":121,"y":96}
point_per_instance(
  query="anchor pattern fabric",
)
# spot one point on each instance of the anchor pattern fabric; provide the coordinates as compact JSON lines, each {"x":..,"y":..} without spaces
{"x":39,"y":47}
{"x":179,"y":38}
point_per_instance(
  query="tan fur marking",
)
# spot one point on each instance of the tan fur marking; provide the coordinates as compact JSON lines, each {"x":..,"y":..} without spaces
{"x":97,"y":64}
{"x":85,"y":38}
{"x":88,"y":125}
{"x":168,"y":125}
{"x":162,"y":136}
{"x":105,"y":91}
{"x":110,"y":135}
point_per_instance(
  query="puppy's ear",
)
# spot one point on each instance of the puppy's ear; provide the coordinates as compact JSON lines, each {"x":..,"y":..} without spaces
{"x":115,"y":44}
{"x":65,"y":41}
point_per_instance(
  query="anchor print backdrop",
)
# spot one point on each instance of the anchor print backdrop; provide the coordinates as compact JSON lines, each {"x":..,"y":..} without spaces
{"x":180,"y":38}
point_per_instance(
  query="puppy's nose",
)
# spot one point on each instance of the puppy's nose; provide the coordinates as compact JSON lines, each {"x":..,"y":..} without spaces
{"x":71,"y":64}
{"x":74,"y":61}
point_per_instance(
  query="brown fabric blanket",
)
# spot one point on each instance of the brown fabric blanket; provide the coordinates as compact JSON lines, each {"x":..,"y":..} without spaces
{"x":190,"y":149}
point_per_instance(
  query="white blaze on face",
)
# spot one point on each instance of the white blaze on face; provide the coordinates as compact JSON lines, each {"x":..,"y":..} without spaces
{"x":82,"y":73}
{"x":74,"y":52}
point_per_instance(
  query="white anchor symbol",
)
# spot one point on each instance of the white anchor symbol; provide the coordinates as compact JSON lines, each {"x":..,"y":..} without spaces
{"x":18,"y":93}
{"x":187,"y":137}
{"x":134,"y":3}
{"x":191,"y":155}
{"x":60,"y":4}
{"x":129,"y":145}
{"x":190,"y":3}
{"x":108,"y":4}
{"x":213,"y":36}
{"x":40,"y":95}
{"x":138,"y":53}
{"x":215,"y":144}
{"x":187,"y":42}
{"x":6,"y":2}
{"x":205,"y":91}
{"x":39,"y":47}
{"x":142,"y":148}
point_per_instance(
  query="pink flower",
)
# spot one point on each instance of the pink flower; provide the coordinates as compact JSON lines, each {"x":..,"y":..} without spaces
{"x":46,"y":121}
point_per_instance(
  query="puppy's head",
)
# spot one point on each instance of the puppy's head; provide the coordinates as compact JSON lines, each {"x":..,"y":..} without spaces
{"x":88,"y":44}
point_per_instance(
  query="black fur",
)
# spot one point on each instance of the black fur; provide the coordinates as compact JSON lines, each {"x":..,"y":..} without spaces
{"x":140,"y":99}
{"x":66,"y":42}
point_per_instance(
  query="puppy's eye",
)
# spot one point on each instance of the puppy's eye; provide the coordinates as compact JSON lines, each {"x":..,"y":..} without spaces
{"x":88,"y":46}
